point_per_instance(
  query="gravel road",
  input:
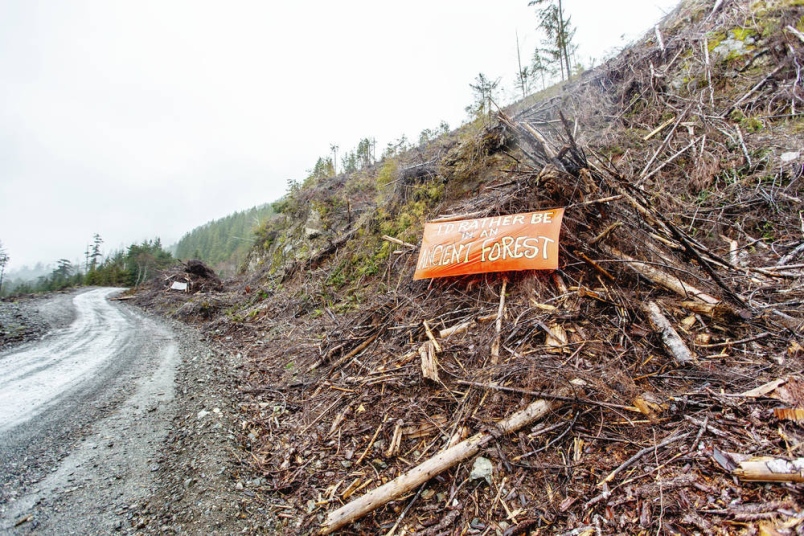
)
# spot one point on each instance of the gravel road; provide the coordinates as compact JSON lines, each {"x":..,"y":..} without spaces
{"x":117,"y":423}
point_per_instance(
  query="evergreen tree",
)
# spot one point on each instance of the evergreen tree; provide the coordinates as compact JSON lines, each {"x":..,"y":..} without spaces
{"x":540,"y":67}
{"x":559,"y":31}
{"x":95,"y":253}
{"x":224,"y":243}
{"x":485,"y":92}
{"x":4,"y":260}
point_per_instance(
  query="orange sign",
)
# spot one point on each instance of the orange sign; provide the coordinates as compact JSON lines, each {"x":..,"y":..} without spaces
{"x":526,"y":241}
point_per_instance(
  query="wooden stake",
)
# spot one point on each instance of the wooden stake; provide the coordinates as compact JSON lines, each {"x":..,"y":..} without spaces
{"x":495,"y":347}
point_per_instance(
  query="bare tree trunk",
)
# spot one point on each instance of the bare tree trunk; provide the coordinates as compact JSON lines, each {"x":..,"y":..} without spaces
{"x":563,"y":40}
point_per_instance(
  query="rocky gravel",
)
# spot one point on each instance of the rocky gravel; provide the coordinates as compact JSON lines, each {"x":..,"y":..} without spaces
{"x":202,"y":487}
{"x":30,"y":318}
{"x":161,"y":457}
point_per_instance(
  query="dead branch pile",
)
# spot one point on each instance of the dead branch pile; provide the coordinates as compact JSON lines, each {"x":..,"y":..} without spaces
{"x":197,"y":276}
{"x":643,"y":387}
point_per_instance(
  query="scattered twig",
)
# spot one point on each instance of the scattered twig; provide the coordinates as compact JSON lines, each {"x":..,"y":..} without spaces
{"x":398,"y":242}
{"x":633,"y":459}
{"x":430,"y":468}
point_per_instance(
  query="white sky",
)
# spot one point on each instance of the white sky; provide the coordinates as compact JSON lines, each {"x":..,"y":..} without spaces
{"x":137,"y":119}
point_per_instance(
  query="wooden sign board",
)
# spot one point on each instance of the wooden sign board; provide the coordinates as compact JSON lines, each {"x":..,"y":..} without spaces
{"x":526,"y":241}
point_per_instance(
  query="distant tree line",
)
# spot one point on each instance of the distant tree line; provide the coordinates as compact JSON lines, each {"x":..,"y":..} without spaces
{"x":224,"y":243}
{"x":132,"y":266}
{"x":128,"y":267}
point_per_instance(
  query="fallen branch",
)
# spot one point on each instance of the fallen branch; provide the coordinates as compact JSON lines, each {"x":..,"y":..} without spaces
{"x":439,"y":463}
{"x":660,"y":127}
{"x":454,"y":330}
{"x":432,"y":338}
{"x":563,"y":398}
{"x":445,"y":523}
{"x":633,"y":459}
{"x":661,"y":278}
{"x":795,"y":32}
{"x":669,"y":160}
{"x":606,"y":232}
{"x":362,"y":346}
{"x":599,"y":269}
{"x":672,"y":341}
{"x":752,"y":90}
{"x":790,"y":256}
{"x":743,"y":147}
{"x":398,"y":241}
{"x":661,"y":147}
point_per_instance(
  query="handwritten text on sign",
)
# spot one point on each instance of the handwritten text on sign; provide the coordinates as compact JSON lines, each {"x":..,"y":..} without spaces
{"x":526,"y":241}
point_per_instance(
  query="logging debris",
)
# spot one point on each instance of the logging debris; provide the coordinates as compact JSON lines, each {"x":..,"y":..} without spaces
{"x":689,"y":346}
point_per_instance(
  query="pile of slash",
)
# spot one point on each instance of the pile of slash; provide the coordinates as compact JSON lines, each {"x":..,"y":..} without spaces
{"x":652,"y":384}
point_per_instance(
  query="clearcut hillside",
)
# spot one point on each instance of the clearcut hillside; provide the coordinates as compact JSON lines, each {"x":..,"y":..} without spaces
{"x":646,"y":374}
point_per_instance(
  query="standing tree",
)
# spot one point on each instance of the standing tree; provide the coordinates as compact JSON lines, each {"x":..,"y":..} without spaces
{"x":524,"y":74}
{"x":484,"y":91}
{"x":95,"y":253}
{"x":559,"y":32}
{"x":334,"y":148}
{"x":4,"y":258}
{"x":365,"y":152}
{"x":540,"y":66}
{"x":60,"y":277}
{"x":323,"y":169}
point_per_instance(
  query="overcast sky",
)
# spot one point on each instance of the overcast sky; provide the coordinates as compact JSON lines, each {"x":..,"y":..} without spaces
{"x":137,"y":119}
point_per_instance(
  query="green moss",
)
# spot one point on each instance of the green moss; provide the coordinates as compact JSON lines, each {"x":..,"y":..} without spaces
{"x":388,"y":173}
{"x":748,"y":123}
{"x":741,"y":34}
{"x":714,"y":39}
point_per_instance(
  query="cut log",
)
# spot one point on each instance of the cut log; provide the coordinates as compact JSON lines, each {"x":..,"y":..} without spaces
{"x":427,"y":352}
{"x":769,"y":469}
{"x":672,"y":341}
{"x":437,"y":464}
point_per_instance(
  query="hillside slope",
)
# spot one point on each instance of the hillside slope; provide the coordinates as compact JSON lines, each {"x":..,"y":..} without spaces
{"x":679,"y":290}
{"x":223,"y":243}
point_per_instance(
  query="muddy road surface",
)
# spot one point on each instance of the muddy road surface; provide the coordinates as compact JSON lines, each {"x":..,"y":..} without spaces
{"x":83,"y":413}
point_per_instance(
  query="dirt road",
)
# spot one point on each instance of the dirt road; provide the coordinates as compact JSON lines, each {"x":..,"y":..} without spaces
{"x":83,"y":413}
{"x":118,"y":423}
